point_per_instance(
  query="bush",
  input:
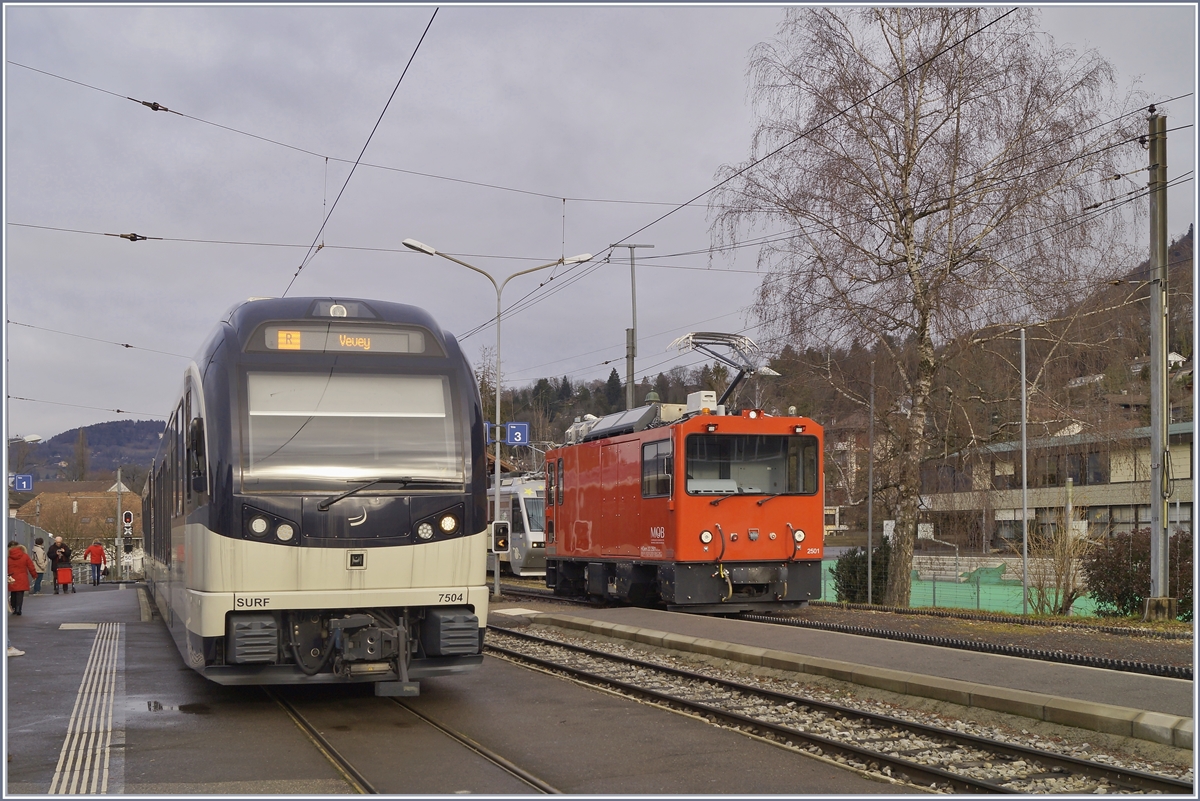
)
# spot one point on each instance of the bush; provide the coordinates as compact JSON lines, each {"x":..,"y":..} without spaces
{"x":1118,"y":573}
{"x":850,"y":574}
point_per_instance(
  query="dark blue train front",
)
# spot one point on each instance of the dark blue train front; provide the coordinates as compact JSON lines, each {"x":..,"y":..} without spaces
{"x":316,"y":511}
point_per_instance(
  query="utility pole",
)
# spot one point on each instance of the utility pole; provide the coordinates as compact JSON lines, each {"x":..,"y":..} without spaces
{"x":1024,"y":486}
{"x":871,"y":485}
{"x":1159,"y":606}
{"x":116,"y":568}
{"x":631,"y":333}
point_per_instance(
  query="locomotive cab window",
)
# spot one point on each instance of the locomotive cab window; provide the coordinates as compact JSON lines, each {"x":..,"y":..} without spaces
{"x":657,"y":466}
{"x":561,"y":482}
{"x":752,"y":464}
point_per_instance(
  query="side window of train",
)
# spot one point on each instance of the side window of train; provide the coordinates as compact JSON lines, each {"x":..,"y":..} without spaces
{"x":560,"y":482}
{"x":550,"y":483}
{"x":168,"y":470}
{"x":180,"y":424}
{"x":516,"y":519}
{"x":197,"y":477}
{"x":656,"y":469}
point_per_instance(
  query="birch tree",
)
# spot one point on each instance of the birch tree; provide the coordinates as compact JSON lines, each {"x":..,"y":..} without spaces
{"x":924,"y":174}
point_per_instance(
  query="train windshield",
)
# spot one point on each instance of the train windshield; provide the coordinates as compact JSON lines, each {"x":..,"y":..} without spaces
{"x":755,"y":464}
{"x":535,"y":510}
{"x":319,"y":431}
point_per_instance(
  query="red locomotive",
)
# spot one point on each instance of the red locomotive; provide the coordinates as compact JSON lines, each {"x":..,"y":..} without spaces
{"x":707,"y":512}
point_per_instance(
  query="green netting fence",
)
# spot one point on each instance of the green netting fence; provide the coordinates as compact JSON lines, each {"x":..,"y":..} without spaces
{"x":987,"y":589}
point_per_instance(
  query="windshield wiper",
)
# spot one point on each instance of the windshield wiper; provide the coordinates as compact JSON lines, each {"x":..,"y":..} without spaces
{"x":716,"y":501}
{"x":769,"y":497}
{"x":403,"y":481}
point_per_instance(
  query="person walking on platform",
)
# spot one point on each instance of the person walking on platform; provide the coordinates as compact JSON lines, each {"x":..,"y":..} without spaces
{"x":96,"y":558}
{"x":60,"y":556}
{"x":41,"y":562}
{"x":20,"y":569}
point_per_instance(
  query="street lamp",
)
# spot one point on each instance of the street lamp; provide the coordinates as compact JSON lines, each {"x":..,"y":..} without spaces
{"x":21,"y":451}
{"x":427,"y":250}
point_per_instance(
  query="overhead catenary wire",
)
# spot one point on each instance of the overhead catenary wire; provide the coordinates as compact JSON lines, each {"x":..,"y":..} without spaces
{"x":451,"y":179}
{"x":560,"y":286}
{"x":519,"y":306}
{"x":311,"y":252}
{"x":81,"y":406}
{"x":97,"y":339}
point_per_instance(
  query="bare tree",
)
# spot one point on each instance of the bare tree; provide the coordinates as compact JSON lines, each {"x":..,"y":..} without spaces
{"x":934,"y":169}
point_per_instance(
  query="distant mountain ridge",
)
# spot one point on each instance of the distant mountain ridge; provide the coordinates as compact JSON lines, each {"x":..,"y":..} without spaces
{"x":110,"y":445}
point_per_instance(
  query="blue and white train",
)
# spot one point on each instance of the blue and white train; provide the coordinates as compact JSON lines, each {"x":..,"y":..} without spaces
{"x":316,"y":511}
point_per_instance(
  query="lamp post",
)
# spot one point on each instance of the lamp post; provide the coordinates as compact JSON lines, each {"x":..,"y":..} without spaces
{"x":427,"y":250}
{"x":21,"y":451}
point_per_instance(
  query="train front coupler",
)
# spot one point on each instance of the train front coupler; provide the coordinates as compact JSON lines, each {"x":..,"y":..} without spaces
{"x":364,"y":646}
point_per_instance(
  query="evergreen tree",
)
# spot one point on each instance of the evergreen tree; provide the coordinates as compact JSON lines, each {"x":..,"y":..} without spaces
{"x":613,"y":389}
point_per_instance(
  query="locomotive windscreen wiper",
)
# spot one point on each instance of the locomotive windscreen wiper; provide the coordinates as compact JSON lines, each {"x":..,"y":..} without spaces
{"x":403,"y":481}
{"x":716,"y":501}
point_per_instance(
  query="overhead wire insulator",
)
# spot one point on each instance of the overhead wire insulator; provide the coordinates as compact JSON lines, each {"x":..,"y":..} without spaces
{"x":134,"y":237}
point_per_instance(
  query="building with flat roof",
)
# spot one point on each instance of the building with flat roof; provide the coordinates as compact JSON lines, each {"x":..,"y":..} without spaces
{"x":973,"y":498}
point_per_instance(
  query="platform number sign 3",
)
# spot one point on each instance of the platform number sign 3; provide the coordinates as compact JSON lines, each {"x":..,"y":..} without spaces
{"x":518,"y":433}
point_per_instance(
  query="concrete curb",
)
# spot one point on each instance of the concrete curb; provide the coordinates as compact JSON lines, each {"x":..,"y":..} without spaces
{"x":1154,"y":727}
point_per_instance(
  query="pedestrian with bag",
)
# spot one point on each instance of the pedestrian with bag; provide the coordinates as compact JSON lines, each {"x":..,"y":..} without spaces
{"x":60,"y":557}
{"x":96,"y":557}
{"x":20,"y":569}
{"x":40,"y":561}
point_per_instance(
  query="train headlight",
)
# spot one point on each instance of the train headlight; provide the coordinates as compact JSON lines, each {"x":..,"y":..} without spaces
{"x":259,"y":525}
{"x":425,"y":531}
{"x":798,"y":535}
{"x":448,"y":524}
{"x":285,"y":532}
{"x":706,"y":536}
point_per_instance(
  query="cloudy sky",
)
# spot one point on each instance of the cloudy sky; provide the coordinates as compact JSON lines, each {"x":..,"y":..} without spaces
{"x":518,"y":135}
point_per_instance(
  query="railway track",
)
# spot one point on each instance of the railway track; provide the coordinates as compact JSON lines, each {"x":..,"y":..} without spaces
{"x":1063,"y":657}
{"x":359,"y":782}
{"x":896,"y":749}
{"x":1146,"y":668}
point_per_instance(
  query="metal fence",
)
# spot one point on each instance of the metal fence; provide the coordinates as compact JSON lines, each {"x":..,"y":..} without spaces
{"x":23,"y":533}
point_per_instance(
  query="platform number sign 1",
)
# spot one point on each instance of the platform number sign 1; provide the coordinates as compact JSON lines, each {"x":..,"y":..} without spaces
{"x":518,"y":433}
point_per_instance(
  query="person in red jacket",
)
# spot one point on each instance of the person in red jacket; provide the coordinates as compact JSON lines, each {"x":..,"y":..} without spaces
{"x":96,"y":556}
{"x":20,"y":570}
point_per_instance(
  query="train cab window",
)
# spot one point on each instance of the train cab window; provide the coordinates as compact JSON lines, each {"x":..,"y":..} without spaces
{"x":753,"y":464}
{"x":550,"y":483}
{"x":516,"y":520}
{"x":324,"y":429}
{"x":535,"y":510}
{"x":657,"y":467}
{"x":560,"y":482}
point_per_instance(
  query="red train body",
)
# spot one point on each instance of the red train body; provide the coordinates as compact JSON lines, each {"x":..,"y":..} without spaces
{"x":711,"y":513}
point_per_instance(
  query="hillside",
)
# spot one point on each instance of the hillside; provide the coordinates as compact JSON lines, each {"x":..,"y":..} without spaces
{"x":119,"y":443}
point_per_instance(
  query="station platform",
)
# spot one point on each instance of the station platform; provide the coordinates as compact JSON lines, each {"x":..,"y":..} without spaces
{"x":1152,"y":708}
{"x":101,"y":703}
